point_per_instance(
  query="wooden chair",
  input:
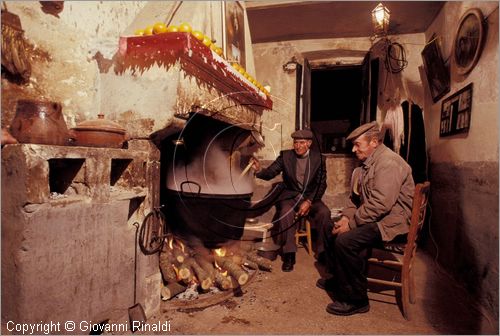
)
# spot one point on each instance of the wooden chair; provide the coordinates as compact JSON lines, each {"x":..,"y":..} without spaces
{"x":304,"y":230}
{"x":407,"y":249}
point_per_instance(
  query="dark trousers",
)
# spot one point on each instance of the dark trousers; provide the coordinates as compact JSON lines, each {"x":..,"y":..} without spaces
{"x":319,"y":215}
{"x":346,"y":260}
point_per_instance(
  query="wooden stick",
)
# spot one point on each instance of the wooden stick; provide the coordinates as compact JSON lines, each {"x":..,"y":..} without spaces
{"x":222,"y":281}
{"x":250,"y":264}
{"x":171,"y":290}
{"x":166,"y":266}
{"x":203,"y":277}
{"x":263,"y":263}
{"x":178,"y":254}
{"x":233,"y":269}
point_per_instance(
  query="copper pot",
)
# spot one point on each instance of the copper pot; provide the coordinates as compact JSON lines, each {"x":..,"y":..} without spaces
{"x":99,"y":133}
{"x":40,"y":122}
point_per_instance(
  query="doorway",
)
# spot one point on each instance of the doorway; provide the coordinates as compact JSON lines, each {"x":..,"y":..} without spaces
{"x":338,"y":100}
{"x":336,"y":95}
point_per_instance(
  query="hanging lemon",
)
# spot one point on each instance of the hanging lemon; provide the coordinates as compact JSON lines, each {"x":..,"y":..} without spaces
{"x":139,"y":32}
{"x":207,"y":41}
{"x":159,"y":28}
{"x":185,"y":27}
{"x":148,"y":30}
{"x":172,"y":29}
{"x":198,"y":35}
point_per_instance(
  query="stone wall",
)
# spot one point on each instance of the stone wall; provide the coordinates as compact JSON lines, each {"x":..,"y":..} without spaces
{"x":464,"y":168}
{"x":69,"y":233}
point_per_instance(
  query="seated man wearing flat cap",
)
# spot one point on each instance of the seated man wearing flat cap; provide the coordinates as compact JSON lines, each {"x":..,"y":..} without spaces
{"x":379,"y":209}
{"x":304,"y":183}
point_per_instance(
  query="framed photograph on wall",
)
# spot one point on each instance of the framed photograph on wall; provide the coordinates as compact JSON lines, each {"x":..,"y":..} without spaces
{"x":234,"y":31}
{"x":469,"y":40}
{"x":456,"y":112}
{"x":438,"y":76}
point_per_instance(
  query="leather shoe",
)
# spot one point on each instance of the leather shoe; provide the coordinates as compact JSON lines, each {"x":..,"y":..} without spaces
{"x":288,"y":262}
{"x":326,"y":284}
{"x":347,"y":308}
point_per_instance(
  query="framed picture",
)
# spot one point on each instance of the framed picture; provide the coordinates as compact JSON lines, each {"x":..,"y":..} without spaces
{"x":456,"y":112}
{"x":234,"y":31}
{"x":438,"y":76}
{"x":468,"y":41}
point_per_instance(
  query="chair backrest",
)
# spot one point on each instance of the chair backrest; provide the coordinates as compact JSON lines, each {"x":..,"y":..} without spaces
{"x":419,"y":209}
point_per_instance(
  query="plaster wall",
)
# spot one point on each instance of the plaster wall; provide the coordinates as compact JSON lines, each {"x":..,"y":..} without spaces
{"x":464,"y":167}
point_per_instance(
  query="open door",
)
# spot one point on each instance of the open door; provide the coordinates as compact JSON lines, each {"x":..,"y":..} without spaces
{"x":306,"y":95}
{"x":365,"y":87}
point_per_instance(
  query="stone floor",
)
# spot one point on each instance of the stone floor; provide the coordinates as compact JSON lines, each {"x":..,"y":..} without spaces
{"x":290,"y":303}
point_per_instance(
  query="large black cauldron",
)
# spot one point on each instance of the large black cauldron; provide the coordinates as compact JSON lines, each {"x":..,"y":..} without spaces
{"x":214,"y":219}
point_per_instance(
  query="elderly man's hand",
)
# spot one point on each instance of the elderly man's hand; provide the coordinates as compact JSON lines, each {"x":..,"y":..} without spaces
{"x":341,"y":226}
{"x":304,"y":208}
{"x":256,"y":164}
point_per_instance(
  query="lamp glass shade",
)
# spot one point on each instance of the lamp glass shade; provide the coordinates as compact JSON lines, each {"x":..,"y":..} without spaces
{"x":380,"y":19}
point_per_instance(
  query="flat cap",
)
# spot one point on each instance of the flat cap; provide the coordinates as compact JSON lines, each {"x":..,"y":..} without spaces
{"x":363,"y":129}
{"x":302,"y":134}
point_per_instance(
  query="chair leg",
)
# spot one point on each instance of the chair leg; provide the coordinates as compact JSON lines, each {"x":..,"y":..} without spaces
{"x":309,"y":240}
{"x":411,"y":283}
{"x":405,"y":291}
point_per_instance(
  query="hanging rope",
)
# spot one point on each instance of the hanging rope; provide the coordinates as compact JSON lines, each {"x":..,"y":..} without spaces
{"x":395,"y":58}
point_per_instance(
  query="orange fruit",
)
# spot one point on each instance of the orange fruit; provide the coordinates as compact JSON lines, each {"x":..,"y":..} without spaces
{"x":139,"y":32}
{"x":236,"y":66}
{"x":159,"y":28}
{"x":172,"y":29}
{"x":198,"y":35}
{"x":219,"y":51}
{"x":213,"y":46}
{"x":242,"y":71}
{"x":207,"y":41}
{"x":185,"y":27}
{"x":148,"y":30}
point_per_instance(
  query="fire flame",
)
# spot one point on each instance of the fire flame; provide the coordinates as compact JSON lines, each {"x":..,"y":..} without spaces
{"x":176,"y":270}
{"x":221,"y":252}
{"x":182,"y":246}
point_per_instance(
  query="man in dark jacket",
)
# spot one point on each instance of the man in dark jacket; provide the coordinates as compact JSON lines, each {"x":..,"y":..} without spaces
{"x":304,"y":183}
{"x":379,"y":209}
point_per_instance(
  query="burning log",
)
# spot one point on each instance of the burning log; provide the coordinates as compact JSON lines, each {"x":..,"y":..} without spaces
{"x":178,"y":254}
{"x":185,"y":273}
{"x":222,"y":281}
{"x":263,"y":263}
{"x":234,"y":269}
{"x":205,"y":263}
{"x":171,"y":290}
{"x":166,"y":266}
{"x":203,"y":277}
